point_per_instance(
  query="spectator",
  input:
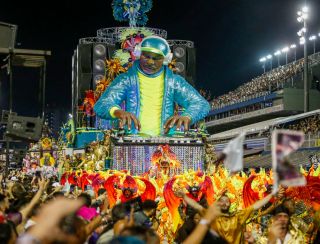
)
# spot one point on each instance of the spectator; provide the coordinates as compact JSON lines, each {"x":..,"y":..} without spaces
{"x":146,"y":217}
{"x":280,"y":230}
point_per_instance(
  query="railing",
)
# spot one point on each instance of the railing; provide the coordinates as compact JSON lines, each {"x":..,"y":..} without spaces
{"x":310,"y":141}
{"x":259,"y":112}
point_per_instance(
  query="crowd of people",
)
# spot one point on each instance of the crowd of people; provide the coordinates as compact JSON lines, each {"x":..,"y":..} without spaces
{"x":36,"y":209}
{"x":310,"y":125}
{"x":259,"y":86}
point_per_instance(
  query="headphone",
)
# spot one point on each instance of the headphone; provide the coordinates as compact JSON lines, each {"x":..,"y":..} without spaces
{"x":167,"y":58}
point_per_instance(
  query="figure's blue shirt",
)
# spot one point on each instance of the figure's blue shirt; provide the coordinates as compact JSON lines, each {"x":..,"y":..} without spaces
{"x":125,"y":87}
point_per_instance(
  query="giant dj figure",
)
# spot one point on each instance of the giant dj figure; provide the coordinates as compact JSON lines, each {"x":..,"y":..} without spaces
{"x":150,"y":91}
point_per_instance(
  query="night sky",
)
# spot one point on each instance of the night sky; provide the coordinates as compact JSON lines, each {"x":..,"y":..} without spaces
{"x":230,"y":37}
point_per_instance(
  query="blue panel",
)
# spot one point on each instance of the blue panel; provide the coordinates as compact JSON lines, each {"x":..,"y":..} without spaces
{"x":83,"y":137}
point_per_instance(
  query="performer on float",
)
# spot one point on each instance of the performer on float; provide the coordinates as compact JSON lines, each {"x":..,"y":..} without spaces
{"x":150,"y":90}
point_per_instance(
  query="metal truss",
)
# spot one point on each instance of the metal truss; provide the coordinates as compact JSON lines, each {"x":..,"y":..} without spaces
{"x":96,"y":39}
{"x":115,"y":32}
{"x":186,"y":43}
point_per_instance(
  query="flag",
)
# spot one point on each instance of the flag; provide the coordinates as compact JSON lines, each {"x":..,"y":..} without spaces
{"x":284,"y":142}
{"x":234,"y":154}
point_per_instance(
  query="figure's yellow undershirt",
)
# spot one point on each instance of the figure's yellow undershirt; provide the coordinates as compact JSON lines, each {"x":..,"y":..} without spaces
{"x":151,"y":96}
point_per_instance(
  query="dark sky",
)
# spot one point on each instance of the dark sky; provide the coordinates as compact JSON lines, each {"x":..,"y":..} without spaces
{"x":230,"y":36}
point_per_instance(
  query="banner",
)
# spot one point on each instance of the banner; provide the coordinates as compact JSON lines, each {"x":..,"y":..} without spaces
{"x":284,"y":142}
{"x":234,"y":154}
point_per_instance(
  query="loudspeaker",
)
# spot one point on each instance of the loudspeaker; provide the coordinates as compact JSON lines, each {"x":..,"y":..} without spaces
{"x":185,"y":58}
{"x":5,"y":116}
{"x":191,"y":66}
{"x":28,"y":128}
{"x":8,"y":34}
{"x":90,"y":67}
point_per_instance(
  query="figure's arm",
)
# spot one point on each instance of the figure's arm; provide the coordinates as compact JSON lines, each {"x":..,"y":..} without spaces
{"x":192,"y":203}
{"x":196,"y":107}
{"x":82,"y":163}
{"x":259,"y":204}
{"x":204,"y":225}
{"x":43,"y":184}
{"x":112,"y":97}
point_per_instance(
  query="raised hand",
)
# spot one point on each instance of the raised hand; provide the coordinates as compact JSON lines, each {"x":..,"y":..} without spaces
{"x":212,"y":212}
{"x":177,"y":121}
{"x":126,"y":119}
{"x":275,"y":231}
{"x":281,"y":192}
{"x":48,"y":229}
{"x":43,"y":184}
{"x":179,"y":193}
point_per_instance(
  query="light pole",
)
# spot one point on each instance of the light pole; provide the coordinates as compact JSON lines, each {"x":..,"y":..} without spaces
{"x":313,"y":38}
{"x":277,"y":54}
{"x":294,"y":46}
{"x":263,"y":61}
{"x":285,"y":50}
{"x":302,"y":17}
{"x":269,"y":56}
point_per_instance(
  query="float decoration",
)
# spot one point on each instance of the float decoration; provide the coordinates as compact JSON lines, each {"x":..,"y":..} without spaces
{"x":132,"y":11}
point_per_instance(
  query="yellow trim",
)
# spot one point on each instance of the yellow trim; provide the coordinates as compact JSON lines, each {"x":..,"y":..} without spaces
{"x":112,"y":110}
{"x":152,"y":50}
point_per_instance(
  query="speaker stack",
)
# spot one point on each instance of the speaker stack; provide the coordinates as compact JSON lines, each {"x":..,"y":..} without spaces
{"x":184,"y":54}
{"x":24,"y":128}
{"x":8,"y":33}
{"x":89,"y":66}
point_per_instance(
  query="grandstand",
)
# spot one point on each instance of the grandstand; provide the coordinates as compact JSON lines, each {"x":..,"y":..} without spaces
{"x":258,"y":139}
{"x":277,"y":93}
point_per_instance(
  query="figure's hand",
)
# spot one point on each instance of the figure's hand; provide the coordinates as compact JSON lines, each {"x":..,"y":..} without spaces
{"x":281,"y":193}
{"x":178,"y":121}
{"x":275,"y":230}
{"x":126,"y":118}
{"x":180,"y":193}
{"x":50,"y":216}
{"x":212,"y":212}
{"x":43,"y":184}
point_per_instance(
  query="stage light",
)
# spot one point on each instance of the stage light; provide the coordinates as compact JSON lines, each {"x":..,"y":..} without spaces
{"x":305,"y":9}
{"x":293,"y":46}
{"x":262,"y":59}
{"x":269,"y":56}
{"x":277,"y":53}
{"x":312,"y":38}
{"x":285,"y":49}
{"x":302,"y":17}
